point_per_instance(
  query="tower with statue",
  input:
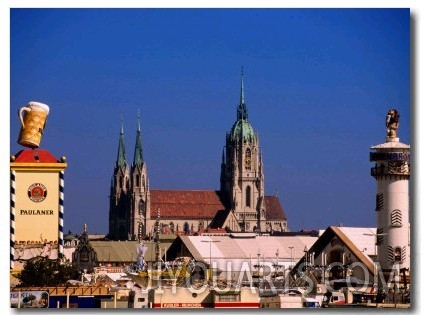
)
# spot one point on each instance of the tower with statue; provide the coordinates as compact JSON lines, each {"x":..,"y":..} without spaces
{"x":392,"y":173}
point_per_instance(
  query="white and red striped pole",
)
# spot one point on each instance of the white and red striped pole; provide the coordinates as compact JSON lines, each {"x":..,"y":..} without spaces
{"x":12,"y":217}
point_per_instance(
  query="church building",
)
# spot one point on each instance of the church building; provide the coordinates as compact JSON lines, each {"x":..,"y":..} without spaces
{"x":240,"y":205}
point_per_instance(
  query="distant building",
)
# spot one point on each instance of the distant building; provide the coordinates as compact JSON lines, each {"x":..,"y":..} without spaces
{"x":239,"y":205}
{"x":84,"y":257}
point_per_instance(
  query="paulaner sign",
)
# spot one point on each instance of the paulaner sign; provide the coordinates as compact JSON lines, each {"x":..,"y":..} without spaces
{"x":36,"y":212}
{"x":384,"y":156}
{"x":36,"y":204}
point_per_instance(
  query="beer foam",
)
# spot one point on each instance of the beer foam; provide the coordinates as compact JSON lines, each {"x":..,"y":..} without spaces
{"x":40,"y":105}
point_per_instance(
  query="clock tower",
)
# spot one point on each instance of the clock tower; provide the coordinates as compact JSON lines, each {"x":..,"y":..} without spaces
{"x":242,"y":171}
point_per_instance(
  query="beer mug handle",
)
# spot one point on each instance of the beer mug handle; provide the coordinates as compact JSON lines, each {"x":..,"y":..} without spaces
{"x":20,"y":114}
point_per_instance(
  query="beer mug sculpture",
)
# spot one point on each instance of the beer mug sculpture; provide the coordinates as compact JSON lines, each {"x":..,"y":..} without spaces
{"x":33,"y":120}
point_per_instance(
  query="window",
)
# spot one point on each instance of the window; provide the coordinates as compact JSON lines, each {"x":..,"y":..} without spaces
{"x":396,"y":217}
{"x":379,"y":236}
{"x":248,"y":196}
{"x":186,"y":228}
{"x":229,"y":298}
{"x":137,"y":180}
{"x":141,"y":207}
{"x":397,"y":254}
{"x":379,"y":202}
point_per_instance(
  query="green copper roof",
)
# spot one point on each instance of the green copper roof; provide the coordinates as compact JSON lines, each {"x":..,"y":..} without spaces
{"x":138,"y":153}
{"x":121,"y":159}
{"x":242,"y":129}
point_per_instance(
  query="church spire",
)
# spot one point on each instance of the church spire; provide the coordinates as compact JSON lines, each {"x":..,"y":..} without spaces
{"x":121,"y":158}
{"x":242,"y":100}
{"x":138,"y":153}
{"x":242,"y":112}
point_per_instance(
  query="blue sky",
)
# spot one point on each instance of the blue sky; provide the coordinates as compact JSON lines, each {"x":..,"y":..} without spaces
{"x":318,"y":84}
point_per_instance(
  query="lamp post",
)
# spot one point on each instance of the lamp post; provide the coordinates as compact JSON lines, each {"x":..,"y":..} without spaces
{"x":258,"y":263}
{"x":277,"y":263}
{"x":292,"y":257}
{"x":306,"y":260}
{"x":260,"y":280}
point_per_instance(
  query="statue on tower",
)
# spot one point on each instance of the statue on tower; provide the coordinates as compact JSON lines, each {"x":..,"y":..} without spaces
{"x":392,"y":123}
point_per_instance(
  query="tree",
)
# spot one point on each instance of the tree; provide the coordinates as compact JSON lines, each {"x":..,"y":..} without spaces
{"x":28,"y":299}
{"x":42,"y":271}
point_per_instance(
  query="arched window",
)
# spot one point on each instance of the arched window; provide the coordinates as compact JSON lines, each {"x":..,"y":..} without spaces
{"x":137,"y":180}
{"x":143,"y":182}
{"x":335,"y":260}
{"x":140,"y":230}
{"x":186,"y":228}
{"x":142,"y":207}
{"x":248,"y":196}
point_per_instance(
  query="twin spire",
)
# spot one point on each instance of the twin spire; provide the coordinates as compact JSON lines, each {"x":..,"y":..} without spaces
{"x":138,"y":152}
{"x":121,"y":159}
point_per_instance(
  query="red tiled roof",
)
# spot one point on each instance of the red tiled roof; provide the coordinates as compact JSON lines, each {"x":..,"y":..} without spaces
{"x":191,"y":204}
{"x":34,"y":156}
{"x":274,"y":210}
{"x":201,"y":204}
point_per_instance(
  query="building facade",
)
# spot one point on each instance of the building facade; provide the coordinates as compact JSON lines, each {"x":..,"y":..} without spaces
{"x":136,"y":210}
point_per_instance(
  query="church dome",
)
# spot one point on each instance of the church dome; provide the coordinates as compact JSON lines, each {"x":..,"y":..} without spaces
{"x":242,"y":126}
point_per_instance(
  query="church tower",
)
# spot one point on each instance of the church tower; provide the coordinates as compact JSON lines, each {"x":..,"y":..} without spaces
{"x":129,"y":210}
{"x":140,"y":193}
{"x":119,"y":194}
{"x":242,"y":171}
